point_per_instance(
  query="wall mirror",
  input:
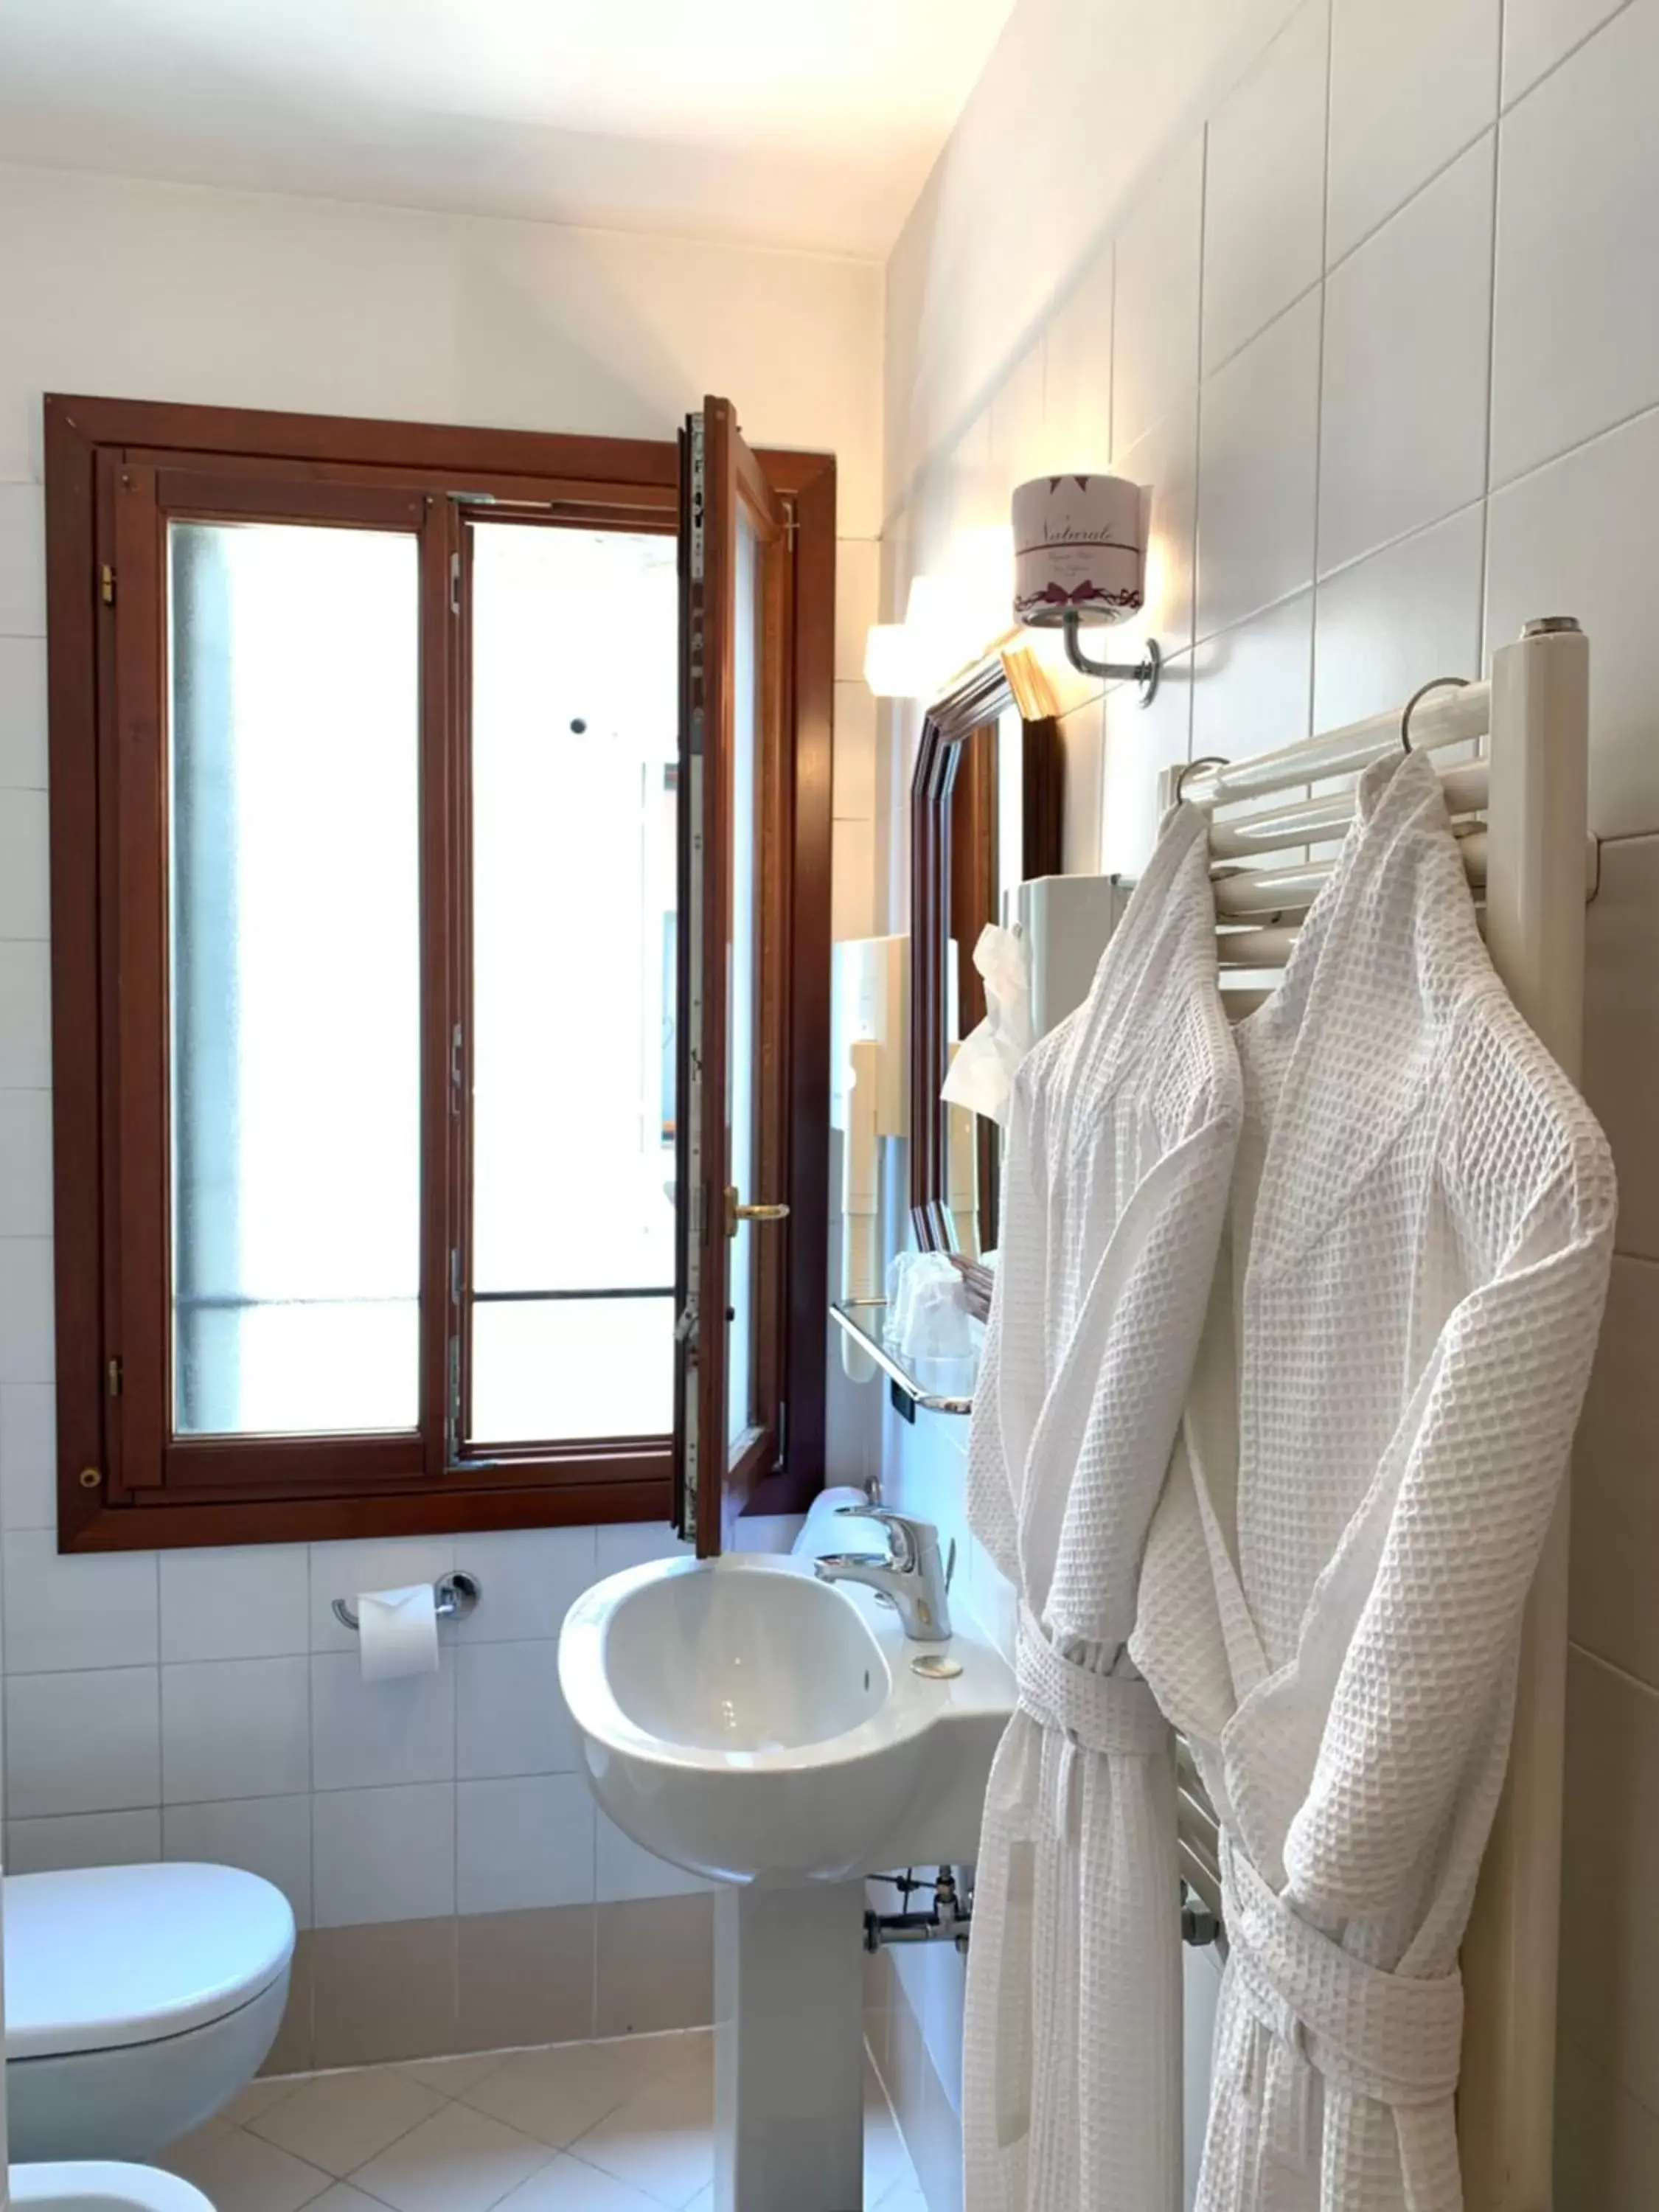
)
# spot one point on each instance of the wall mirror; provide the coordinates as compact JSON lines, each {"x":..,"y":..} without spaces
{"x":986,"y":814}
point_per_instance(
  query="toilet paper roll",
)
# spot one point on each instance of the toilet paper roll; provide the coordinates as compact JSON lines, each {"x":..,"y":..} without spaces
{"x":398,"y":1632}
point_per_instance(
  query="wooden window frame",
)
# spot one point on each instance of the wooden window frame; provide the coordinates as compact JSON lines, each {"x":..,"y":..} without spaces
{"x":953,"y":894}
{"x":307,"y":465}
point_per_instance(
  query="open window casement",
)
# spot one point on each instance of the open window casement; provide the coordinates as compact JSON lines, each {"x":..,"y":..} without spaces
{"x":737,"y":593}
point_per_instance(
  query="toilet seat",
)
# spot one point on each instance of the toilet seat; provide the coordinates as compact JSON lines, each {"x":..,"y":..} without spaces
{"x":105,"y":1958}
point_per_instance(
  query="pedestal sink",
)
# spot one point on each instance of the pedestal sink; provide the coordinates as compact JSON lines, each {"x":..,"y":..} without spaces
{"x":781,"y":1734}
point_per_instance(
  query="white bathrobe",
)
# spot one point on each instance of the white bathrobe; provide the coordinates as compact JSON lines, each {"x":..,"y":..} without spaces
{"x":1120,"y":1149}
{"x":1330,"y":1600}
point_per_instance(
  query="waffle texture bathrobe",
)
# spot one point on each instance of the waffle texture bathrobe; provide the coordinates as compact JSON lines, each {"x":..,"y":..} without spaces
{"x":1396,"y":1350}
{"x":1120,"y":1149}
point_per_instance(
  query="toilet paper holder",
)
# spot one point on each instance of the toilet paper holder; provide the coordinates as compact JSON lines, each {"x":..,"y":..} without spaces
{"x":453,"y":1596}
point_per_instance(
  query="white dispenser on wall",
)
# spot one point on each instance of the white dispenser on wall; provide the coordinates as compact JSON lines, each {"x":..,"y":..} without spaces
{"x":869,"y":1097}
{"x":1067,"y":922}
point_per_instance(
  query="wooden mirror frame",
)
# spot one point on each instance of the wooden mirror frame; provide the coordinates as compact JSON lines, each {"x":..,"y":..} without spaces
{"x":953,"y":894}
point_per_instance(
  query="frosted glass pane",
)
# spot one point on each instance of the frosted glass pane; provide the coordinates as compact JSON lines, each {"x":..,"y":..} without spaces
{"x":552,"y":1370}
{"x":295,"y":928}
{"x":575,"y":712}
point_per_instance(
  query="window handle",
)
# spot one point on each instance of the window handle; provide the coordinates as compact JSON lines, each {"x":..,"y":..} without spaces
{"x":736,"y":1212}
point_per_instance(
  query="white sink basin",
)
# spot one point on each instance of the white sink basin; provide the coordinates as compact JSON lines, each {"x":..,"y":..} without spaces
{"x":748,"y":1722}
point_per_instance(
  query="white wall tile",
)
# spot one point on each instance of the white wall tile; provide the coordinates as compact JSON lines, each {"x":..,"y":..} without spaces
{"x":22,"y":562}
{"x":852,"y":880}
{"x":631,"y":1543}
{"x":854,"y":790}
{"x":1252,"y":687}
{"x":1577,"y":538}
{"x":68,"y":1612}
{"x":390,"y":1562}
{"x":524,"y":1843}
{"x":22,"y":714}
{"x":247,"y":1603}
{"x":25,"y":1163}
{"x":235,"y":1728}
{"x":28,"y":1455}
{"x":531,"y":1578}
{"x":1082,"y":749}
{"x":1621,"y":1035}
{"x":1076,"y":378}
{"x":1016,"y":413}
{"x":1382,"y":628}
{"x":1164,"y":462}
{"x":82,"y":1743}
{"x":25,"y":1309}
{"x":83,"y":1839}
{"x":1615,"y":1501}
{"x":1539,"y":34}
{"x":383,"y":1855}
{"x":510,"y":1715}
{"x":266,"y":1836}
{"x":1577,"y":335}
{"x":1140,"y":743}
{"x":1411,"y":83}
{"x":625,"y":1868}
{"x":858,"y":573}
{"x":1155,"y":326}
{"x":1264,"y":197}
{"x":1401,"y":446}
{"x":1609,"y":1938}
{"x":1257,"y":468}
{"x":25,"y":1016}
{"x":24,"y":903}
{"x":365,"y":1735}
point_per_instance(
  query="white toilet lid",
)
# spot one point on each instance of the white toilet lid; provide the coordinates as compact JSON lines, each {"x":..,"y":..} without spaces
{"x":102,"y":1957}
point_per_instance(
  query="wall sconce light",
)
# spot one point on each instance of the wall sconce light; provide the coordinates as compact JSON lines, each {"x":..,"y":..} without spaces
{"x":911,"y":659}
{"x":1080,"y":560}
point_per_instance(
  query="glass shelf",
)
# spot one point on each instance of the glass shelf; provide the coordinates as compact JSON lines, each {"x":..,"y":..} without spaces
{"x":846,"y":1312}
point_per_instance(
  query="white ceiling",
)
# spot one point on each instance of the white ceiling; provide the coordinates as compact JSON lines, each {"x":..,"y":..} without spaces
{"x":803,"y":123}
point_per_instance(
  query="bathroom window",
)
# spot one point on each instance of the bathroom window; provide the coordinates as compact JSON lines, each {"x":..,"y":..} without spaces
{"x":368,"y":910}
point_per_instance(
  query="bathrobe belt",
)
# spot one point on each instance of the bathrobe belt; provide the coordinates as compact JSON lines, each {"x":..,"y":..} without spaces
{"x":1394,"y":2038}
{"x":1114,"y":1713}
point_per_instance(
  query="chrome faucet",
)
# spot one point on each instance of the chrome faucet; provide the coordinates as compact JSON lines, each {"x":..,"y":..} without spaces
{"x":909,"y":1574}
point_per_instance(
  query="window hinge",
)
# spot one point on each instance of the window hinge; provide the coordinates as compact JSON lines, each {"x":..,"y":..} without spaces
{"x":454,"y":583}
{"x":112,"y":1378}
{"x":456,"y":1095}
{"x":454,"y":1395}
{"x":790,"y":526}
{"x":106,"y":585}
{"x":455,"y":1275}
{"x":783,"y":1436}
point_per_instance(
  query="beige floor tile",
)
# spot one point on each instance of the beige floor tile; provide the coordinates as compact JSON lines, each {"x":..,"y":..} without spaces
{"x":568,"y":2185}
{"x":458,"y":2161}
{"x":237,"y":2172}
{"x":340,"y":2121}
{"x":557,"y":2094}
{"x":259,"y":2096}
{"x":452,"y":2077}
{"x":342,"y":2198}
{"x":661,"y":2141}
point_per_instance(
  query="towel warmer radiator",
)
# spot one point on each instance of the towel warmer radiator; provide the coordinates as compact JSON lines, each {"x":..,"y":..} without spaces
{"x":1517,"y":793}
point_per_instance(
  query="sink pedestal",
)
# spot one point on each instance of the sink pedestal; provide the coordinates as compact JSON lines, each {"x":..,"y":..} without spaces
{"x":789,"y":2049}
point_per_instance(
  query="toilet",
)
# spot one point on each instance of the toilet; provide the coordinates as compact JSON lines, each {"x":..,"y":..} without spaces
{"x":138,"y":2001}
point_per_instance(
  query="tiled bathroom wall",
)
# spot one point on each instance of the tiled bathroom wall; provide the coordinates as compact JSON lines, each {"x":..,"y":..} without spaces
{"x":1376,"y":320}
{"x":457,"y":1887}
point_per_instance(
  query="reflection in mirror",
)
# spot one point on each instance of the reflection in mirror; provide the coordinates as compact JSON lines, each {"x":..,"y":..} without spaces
{"x":986,"y":799}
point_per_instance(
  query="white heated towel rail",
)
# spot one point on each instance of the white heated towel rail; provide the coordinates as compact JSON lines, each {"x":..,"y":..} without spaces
{"x":1520,"y":811}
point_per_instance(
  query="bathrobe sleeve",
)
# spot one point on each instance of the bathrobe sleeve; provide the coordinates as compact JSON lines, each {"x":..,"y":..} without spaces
{"x":1008,"y":1388}
{"x":1446,"y":1545}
